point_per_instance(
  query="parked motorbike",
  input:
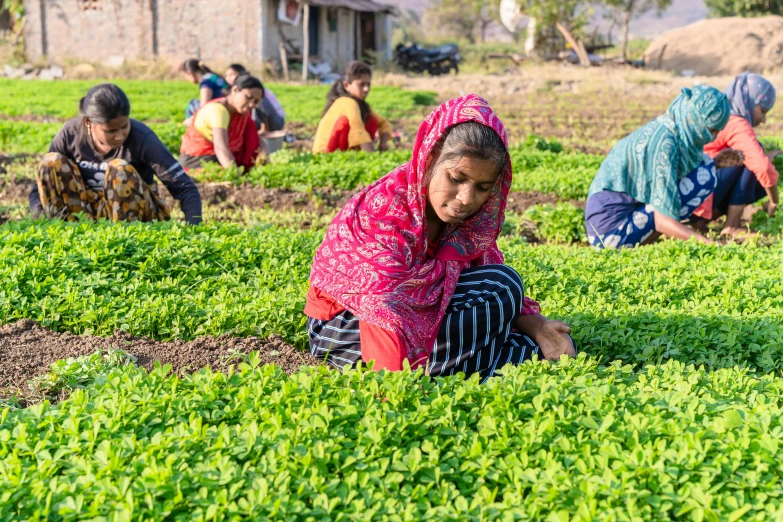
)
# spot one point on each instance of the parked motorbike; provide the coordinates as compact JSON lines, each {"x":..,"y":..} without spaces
{"x":436,"y":61}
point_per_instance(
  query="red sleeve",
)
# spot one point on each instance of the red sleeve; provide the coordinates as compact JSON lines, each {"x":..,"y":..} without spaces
{"x":320,"y":305}
{"x":530,"y":307}
{"x":250,"y":146}
{"x":739,"y":135}
{"x":382,"y":346}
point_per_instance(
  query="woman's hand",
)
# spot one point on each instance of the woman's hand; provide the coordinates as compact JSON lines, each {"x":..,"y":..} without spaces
{"x":728,"y":158}
{"x":220,"y":143}
{"x":774,"y":200}
{"x":383,"y":146}
{"x":551,"y":336}
{"x":554,"y":341}
{"x":671,"y":227}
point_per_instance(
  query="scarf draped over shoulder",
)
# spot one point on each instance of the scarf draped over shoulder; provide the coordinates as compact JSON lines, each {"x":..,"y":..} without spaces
{"x":373,"y":259}
{"x":648,"y":164}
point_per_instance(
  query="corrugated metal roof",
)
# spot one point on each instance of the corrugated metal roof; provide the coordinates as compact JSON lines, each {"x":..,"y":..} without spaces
{"x":366,"y":6}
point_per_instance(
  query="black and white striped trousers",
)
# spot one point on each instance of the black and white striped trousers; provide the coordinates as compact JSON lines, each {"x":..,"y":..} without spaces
{"x":475,"y":335}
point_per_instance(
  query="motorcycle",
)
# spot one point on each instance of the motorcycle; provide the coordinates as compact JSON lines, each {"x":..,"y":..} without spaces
{"x":436,"y":61}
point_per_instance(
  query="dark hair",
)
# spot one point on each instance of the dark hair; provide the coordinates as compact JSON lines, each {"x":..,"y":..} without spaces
{"x":352,"y":71}
{"x":103,"y":103}
{"x":246,"y":81}
{"x":239,"y":69}
{"x":472,"y":139}
{"x":194,"y":66}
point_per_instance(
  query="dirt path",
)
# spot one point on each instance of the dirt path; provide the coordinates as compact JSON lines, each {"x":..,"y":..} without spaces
{"x":27,"y":350}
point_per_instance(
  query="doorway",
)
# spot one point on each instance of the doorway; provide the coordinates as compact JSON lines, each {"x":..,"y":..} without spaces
{"x":367,"y":48}
{"x":312,"y":30}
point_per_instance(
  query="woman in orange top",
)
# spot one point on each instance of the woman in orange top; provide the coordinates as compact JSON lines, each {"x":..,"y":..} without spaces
{"x":348,"y":122}
{"x":751,"y":97}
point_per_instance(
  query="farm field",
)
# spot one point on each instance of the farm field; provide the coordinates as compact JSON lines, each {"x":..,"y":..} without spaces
{"x":160,"y":371}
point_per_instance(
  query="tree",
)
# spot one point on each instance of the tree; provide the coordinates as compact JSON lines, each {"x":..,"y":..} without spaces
{"x":623,"y":11}
{"x":749,"y":8}
{"x":467,"y":17}
{"x":568,"y":16}
{"x":15,"y":9}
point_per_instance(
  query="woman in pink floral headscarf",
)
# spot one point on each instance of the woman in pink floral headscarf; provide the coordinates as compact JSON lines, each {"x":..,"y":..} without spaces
{"x":410,"y":268}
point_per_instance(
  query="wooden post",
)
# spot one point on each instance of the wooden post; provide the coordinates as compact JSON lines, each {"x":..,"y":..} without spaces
{"x":261,"y":34}
{"x":284,"y":62}
{"x":306,"y":31}
{"x":577,"y":45}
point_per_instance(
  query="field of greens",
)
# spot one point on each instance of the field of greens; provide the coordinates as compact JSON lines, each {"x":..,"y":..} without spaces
{"x":672,"y":411}
{"x":27,"y":110}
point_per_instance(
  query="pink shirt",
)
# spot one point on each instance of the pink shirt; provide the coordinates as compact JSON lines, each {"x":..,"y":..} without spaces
{"x":739,"y":135}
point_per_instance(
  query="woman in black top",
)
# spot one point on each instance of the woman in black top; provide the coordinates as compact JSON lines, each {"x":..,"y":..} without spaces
{"x":104,"y":164}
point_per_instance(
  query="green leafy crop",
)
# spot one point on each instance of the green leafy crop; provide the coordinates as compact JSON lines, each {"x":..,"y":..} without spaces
{"x":716,"y":306}
{"x":562,"y":223}
{"x":158,"y":101}
{"x":566,"y":174}
{"x":573,"y":441}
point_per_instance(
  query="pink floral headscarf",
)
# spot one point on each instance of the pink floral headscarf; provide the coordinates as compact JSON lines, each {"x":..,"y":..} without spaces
{"x":373,"y":260}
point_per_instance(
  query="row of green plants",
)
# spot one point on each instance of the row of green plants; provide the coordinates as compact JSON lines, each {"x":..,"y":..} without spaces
{"x":535,"y":170}
{"x":574,"y":441}
{"x":566,"y":174}
{"x":165,"y":101}
{"x":33,"y":138}
{"x":718,"y":306}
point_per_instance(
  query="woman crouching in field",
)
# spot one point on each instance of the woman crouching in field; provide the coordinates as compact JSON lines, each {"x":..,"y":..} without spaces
{"x":410,"y":268}
{"x":751,"y":96}
{"x":658,"y":175}
{"x":222,"y":131}
{"x":104,"y":164}
{"x":210,"y":85}
{"x":268,"y":115}
{"x":348,"y":122}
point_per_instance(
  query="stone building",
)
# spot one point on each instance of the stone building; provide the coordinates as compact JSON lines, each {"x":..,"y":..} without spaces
{"x":213,"y":30}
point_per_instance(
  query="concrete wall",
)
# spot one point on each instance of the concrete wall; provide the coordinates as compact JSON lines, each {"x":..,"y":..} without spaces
{"x":337,"y":47}
{"x":221,"y":31}
{"x":62,"y":28}
{"x":225,"y":31}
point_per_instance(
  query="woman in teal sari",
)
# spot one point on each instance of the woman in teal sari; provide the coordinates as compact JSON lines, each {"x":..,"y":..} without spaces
{"x":658,"y":175}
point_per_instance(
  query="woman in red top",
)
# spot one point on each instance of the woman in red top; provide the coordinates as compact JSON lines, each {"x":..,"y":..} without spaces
{"x":222,"y":131}
{"x":410,"y":268}
{"x":751,"y":97}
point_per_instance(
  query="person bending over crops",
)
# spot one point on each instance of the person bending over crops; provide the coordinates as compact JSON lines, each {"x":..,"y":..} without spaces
{"x":104,"y":163}
{"x":210,"y":85}
{"x":658,"y":175}
{"x":410,"y":268}
{"x":222,"y":131}
{"x":751,"y":97}
{"x":269,"y":115}
{"x":348,"y":122}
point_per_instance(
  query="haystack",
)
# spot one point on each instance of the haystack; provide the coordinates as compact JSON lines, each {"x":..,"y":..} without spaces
{"x":720,"y":46}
